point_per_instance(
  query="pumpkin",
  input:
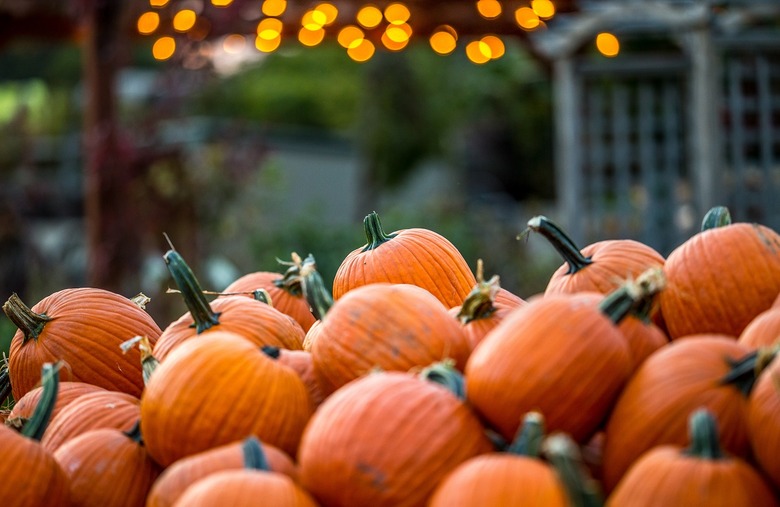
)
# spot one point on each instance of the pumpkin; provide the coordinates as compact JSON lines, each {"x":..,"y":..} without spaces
{"x":515,"y":477}
{"x":763,"y":330}
{"x":107,"y":467}
{"x":31,"y":475}
{"x":245,"y":488}
{"x":414,"y":256}
{"x":701,"y":474}
{"x":91,"y":411}
{"x":186,"y":471}
{"x":387,"y":326}
{"x":387,"y":439}
{"x":481,"y":311}
{"x":302,"y":363}
{"x":284,"y":289}
{"x":67,"y":392}
{"x":764,"y":420}
{"x":559,"y":355}
{"x":218,"y":389}
{"x":258,"y":322}
{"x":706,"y":271}
{"x":83,"y":328}
{"x":709,"y":371}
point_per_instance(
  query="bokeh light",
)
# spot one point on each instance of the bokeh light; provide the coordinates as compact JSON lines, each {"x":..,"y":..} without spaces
{"x":362,"y":51}
{"x":158,"y":3}
{"x":496,"y":45}
{"x":221,"y":3}
{"x":274,"y":8}
{"x":369,"y":16}
{"x":397,"y":13}
{"x":350,"y":36}
{"x":184,"y":20}
{"x":311,"y":37}
{"x":163,"y":48}
{"x":330,"y":11}
{"x":489,"y":9}
{"x":234,"y":44}
{"x":267,"y":45}
{"x":607,"y":44}
{"x":148,"y":22}
{"x":444,"y":40}
{"x":269,"y":28}
{"x":400,"y":33}
{"x":526,"y":18}
{"x":545,"y":9}
{"x":478,"y":52}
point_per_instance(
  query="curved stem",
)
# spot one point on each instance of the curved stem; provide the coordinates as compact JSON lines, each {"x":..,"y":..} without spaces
{"x":564,"y":455}
{"x":529,"y":438}
{"x":191,"y":291}
{"x":30,"y":323}
{"x":50,"y":380}
{"x":633,"y":296}
{"x":561,"y":242}
{"x":445,"y":374}
{"x":703,"y":433}
{"x":134,"y":433}
{"x":263,"y":296}
{"x":291,"y":281}
{"x":479,"y":302}
{"x":254,"y":457}
{"x":745,"y":371}
{"x":375,"y":236}
{"x":717,"y":216}
{"x":319,"y":298}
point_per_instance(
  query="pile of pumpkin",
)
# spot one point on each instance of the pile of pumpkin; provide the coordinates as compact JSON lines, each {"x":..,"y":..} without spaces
{"x":633,"y":379}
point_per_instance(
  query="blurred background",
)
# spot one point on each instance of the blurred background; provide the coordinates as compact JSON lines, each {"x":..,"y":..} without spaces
{"x":246,"y":130}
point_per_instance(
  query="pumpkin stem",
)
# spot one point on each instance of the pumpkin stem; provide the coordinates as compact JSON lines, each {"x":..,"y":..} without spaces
{"x":134,"y":433}
{"x":50,"y":380}
{"x":745,"y":371}
{"x":445,"y":374}
{"x":375,"y":236}
{"x":30,"y":323}
{"x":529,"y":438}
{"x":319,"y":298}
{"x":479,"y":302}
{"x":263,"y":296}
{"x":564,"y":455}
{"x":202,"y":314}
{"x":703,"y":434}
{"x":5,"y":383}
{"x":148,"y":362}
{"x":254,"y":457}
{"x":561,"y":242}
{"x":717,"y":216}
{"x":271,"y":351}
{"x":291,"y":281}
{"x":633,"y":295}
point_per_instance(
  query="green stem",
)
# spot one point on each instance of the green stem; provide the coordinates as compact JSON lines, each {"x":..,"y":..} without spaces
{"x":375,"y":236}
{"x":202,"y":314}
{"x":703,"y":434}
{"x":319,"y":298}
{"x":134,"y":433}
{"x":564,"y":455}
{"x":745,"y":371}
{"x":717,"y":216}
{"x":529,"y":438}
{"x":634,"y":296}
{"x":30,"y":323}
{"x":5,"y":385}
{"x":271,"y":351}
{"x":445,"y":374}
{"x":479,"y":302}
{"x":50,"y":380}
{"x":561,"y":242}
{"x":263,"y":296}
{"x":291,"y":281}
{"x":254,"y":457}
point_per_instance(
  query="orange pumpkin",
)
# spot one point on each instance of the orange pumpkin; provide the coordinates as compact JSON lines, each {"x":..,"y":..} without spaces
{"x":83,"y":328}
{"x":720,"y":279}
{"x":763,"y":330}
{"x":258,"y":322}
{"x":186,"y":471}
{"x":388,"y":326}
{"x":302,"y":363}
{"x":387,"y":439}
{"x":107,"y":467}
{"x":414,"y":256}
{"x":701,"y":474}
{"x":68,"y":391}
{"x":218,"y":389}
{"x":245,"y":488}
{"x":710,"y":371}
{"x":764,"y":420}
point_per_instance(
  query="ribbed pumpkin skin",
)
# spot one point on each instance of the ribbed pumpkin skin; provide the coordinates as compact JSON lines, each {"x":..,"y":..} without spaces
{"x":654,"y":407}
{"x":665,"y":476}
{"x":386,"y":439}
{"x":87,"y":327}
{"x":302,"y":362}
{"x":217,"y":389}
{"x":720,"y":279}
{"x":614,"y":261}
{"x":31,"y":475}
{"x":294,"y":305}
{"x":763,"y":330}
{"x":477,"y":329}
{"x":106,"y":467}
{"x":254,"y":320}
{"x":413,"y":256}
{"x":186,"y":471}
{"x":66,"y":393}
{"x":500,"y":479}
{"x":395,"y":327}
{"x":558,"y":355}
{"x":245,"y":488}
{"x":764,"y":421}
{"x":91,"y":411}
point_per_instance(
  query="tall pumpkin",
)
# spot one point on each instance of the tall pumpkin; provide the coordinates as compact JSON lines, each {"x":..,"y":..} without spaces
{"x":83,"y":328}
{"x":720,"y":279}
{"x":414,"y":256}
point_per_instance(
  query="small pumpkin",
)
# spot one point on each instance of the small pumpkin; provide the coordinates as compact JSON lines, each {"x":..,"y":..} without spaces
{"x":764,"y":419}
{"x":83,"y":328}
{"x":414,"y":256}
{"x":243,"y":488}
{"x":68,"y":391}
{"x":701,"y":474}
